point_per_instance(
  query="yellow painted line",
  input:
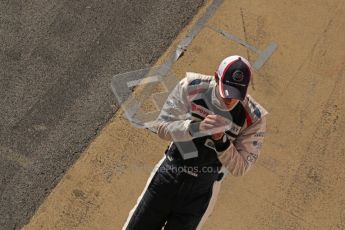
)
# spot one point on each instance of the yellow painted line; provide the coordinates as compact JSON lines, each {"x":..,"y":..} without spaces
{"x":298,"y":182}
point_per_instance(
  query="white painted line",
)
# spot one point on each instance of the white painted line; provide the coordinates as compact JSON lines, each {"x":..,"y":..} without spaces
{"x":262,"y":55}
{"x":234,"y":38}
{"x":196,"y":28}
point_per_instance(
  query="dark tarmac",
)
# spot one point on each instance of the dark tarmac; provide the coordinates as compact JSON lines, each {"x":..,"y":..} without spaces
{"x":57,"y":59}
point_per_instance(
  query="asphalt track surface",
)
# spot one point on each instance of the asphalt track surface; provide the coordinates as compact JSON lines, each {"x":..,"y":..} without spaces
{"x":57,"y":59}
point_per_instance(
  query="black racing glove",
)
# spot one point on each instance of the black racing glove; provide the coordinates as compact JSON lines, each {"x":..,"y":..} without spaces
{"x":222,"y":144}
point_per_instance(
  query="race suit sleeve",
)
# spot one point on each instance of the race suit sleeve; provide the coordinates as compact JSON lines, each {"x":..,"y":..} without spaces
{"x":244,"y":151}
{"x":173,"y":121}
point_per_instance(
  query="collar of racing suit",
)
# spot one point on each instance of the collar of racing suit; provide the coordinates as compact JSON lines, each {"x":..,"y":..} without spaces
{"x":215,"y":100}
